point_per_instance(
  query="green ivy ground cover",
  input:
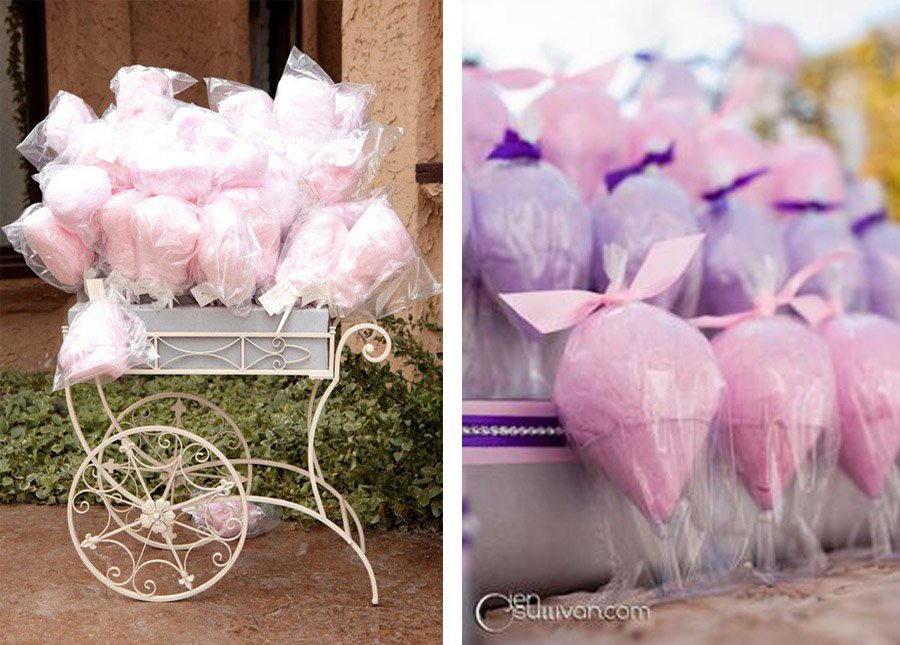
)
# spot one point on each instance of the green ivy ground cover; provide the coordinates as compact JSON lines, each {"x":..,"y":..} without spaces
{"x":379,"y":441}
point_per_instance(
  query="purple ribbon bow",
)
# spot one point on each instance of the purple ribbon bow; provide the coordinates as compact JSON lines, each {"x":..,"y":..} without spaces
{"x":515,"y":147}
{"x":866,"y":222}
{"x":663,"y":158}
{"x":799,"y":206}
{"x":717,"y":197}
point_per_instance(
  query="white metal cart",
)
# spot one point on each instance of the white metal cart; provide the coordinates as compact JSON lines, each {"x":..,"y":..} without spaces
{"x":131,"y":500}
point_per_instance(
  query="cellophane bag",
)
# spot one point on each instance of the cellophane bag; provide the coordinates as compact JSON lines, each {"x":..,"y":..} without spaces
{"x":222,"y":519}
{"x":104,"y":341}
{"x":357,"y":258}
{"x":485,"y":117}
{"x":50,"y":138}
{"x":55,"y":254}
{"x":777,"y":436}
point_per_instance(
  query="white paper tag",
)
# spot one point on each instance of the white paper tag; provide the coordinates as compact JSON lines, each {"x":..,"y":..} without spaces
{"x":279,"y":298}
{"x":204,"y":294}
{"x":94,"y":289}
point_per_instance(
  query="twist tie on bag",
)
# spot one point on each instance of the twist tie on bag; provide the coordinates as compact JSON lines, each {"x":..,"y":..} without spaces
{"x":652,"y":158}
{"x":795,"y":207}
{"x":551,"y":311}
{"x":515,"y":147}
{"x":718,"y":197}
{"x":767,"y":304}
{"x":864,"y":223}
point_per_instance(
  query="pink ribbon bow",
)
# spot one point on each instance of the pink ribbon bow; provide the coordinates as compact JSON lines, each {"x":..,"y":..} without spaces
{"x":550,"y":311}
{"x":766,"y":305}
{"x":520,"y":79}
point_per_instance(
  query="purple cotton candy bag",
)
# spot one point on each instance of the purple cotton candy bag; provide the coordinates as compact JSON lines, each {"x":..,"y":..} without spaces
{"x":531,"y":229}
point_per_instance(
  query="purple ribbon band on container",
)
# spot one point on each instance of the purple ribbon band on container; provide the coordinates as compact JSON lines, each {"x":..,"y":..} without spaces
{"x":812,"y":205}
{"x":660,"y":158}
{"x":515,"y":147}
{"x":514,"y":441}
{"x":495,"y":421}
{"x":866,"y":222}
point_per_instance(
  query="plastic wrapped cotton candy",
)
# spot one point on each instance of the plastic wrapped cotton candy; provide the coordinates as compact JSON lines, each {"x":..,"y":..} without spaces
{"x":309,"y":106}
{"x":312,"y":251}
{"x":531,"y":228}
{"x":805,"y":169}
{"x":780,"y":404}
{"x":661,"y":123}
{"x":102,"y":145}
{"x":772,"y":46}
{"x":104,"y":341}
{"x":581,"y":130}
{"x":254,"y":206}
{"x":879,"y":239}
{"x":224,"y":518}
{"x":640,"y":210}
{"x":485,"y":118}
{"x":174,"y":170}
{"x":378,"y":248}
{"x":637,"y":388}
{"x":53,"y":135}
{"x":53,"y":253}
{"x":227,"y":254}
{"x":345,"y":165}
{"x":147,"y":92}
{"x":241,"y":104}
{"x":166,"y":234}
{"x":733,"y":152}
{"x":73,"y":193}
{"x":743,"y":253}
{"x":115,"y":221}
{"x":813,"y":235}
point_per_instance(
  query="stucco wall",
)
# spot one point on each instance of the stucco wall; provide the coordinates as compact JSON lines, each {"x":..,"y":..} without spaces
{"x":397,"y":44}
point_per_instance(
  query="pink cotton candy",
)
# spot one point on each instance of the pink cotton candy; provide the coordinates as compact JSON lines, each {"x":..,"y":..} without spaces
{"x":378,"y":248}
{"x":865,"y":351}
{"x":805,"y":169}
{"x":59,"y":251}
{"x":227,"y":252}
{"x":175,"y":171}
{"x":485,"y":118}
{"x":281,"y":188}
{"x":771,"y":45}
{"x":780,"y":398}
{"x":251,"y":102}
{"x":167,"y":232}
{"x":73,"y":193}
{"x":147,"y":93}
{"x":661,"y":123}
{"x":96,"y":345}
{"x":102,"y":145}
{"x":265,"y":224}
{"x":313,"y":249}
{"x":351,"y":102}
{"x":337,"y":168}
{"x":115,"y":220}
{"x":305,"y":108}
{"x":731,"y":152}
{"x":637,"y":390}
{"x":66,"y":113}
{"x":581,"y":133}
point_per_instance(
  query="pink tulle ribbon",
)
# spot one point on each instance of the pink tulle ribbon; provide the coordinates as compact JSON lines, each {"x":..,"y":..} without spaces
{"x":550,"y":311}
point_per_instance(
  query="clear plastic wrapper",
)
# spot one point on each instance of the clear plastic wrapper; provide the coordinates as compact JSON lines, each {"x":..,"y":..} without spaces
{"x":56,"y":255}
{"x":531,"y":229}
{"x":777,"y":431}
{"x":345,"y":166}
{"x":227,"y":256}
{"x":146,"y":93}
{"x":813,"y":235}
{"x":356,"y":257}
{"x":484,"y":118}
{"x":309,"y":106}
{"x":117,"y":244}
{"x":171,"y":168}
{"x":581,"y":129}
{"x":741,"y":240}
{"x":73,"y":193}
{"x":52,"y":136}
{"x":637,"y":391}
{"x":733,"y":152}
{"x":166,"y":233}
{"x":255,"y":206}
{"x":223,"y":518}
{"x":104,"y":341}
{"x":641,"y":210}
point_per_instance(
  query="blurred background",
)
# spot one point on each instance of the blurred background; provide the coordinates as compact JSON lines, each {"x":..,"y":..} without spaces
{"x":848,"y":86}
